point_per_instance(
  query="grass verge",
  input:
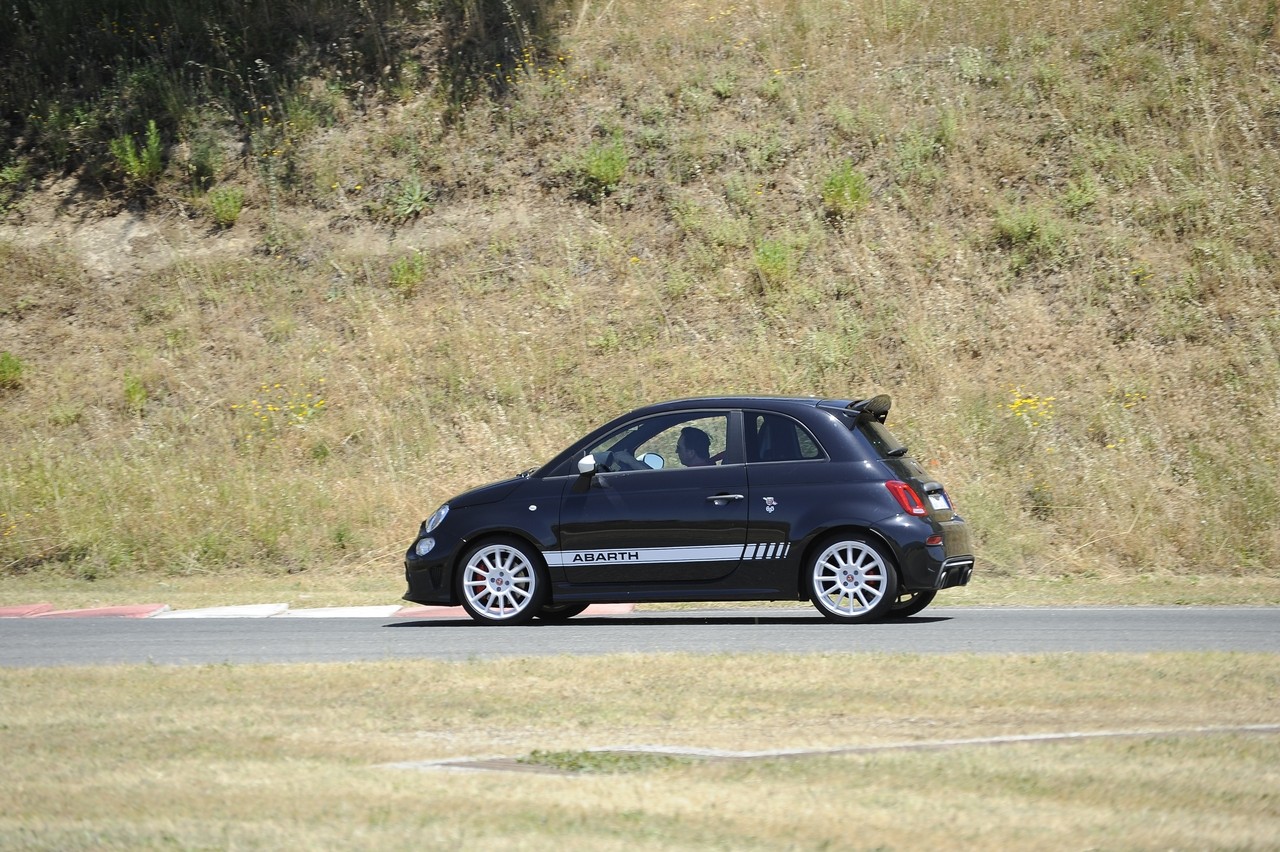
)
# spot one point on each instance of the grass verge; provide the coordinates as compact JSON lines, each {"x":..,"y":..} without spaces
{"x":260,"y":756}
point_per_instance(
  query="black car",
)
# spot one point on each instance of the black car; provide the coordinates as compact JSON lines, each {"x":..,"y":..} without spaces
{"x":716,"y":499}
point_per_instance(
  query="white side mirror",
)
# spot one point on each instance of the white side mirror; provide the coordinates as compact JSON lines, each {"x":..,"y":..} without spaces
{"x":587,"y":464}
{"x":654,"y":461}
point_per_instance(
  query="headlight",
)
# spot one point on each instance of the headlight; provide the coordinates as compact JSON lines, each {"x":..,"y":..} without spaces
{"x":437,"y":519}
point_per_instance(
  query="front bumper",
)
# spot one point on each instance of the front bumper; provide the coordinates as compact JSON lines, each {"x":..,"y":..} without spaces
{"x":428,"y":578}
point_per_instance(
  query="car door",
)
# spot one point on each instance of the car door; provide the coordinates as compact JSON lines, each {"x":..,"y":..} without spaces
{"x":655,"y":511}
{"x":788,"y":471}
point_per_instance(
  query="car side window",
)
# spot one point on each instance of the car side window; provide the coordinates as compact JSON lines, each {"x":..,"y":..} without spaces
{"x":773,"y":437}
{"x":671,"y":442}
{"x":696,"y":442}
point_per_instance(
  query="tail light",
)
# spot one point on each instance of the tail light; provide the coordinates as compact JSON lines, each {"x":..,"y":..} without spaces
{"x":907,"y":498}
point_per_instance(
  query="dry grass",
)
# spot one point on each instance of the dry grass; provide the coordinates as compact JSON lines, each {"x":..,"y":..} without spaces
{"x":1064,"y":274}
{"x":257,"y":757}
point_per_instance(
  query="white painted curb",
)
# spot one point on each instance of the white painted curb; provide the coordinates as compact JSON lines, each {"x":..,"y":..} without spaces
{"x":343,"y":612}
{"x":249,"y":611}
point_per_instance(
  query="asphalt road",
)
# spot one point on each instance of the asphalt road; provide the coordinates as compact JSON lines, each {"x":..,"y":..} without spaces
{"x":35,"y":642}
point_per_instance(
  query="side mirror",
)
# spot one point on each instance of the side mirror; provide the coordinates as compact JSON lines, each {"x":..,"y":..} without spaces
{"x":587,"y":465}
{"x":654,"y":461}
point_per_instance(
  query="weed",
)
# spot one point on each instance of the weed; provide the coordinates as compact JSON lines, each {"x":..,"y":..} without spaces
{"x":599,"y":170}
{"x":225,"y":204}
{"x":1035,"y":412}
{"x":1032,"y":236}
{"x":278,"y":406}
{"x":407,"y":273}
{"x":775,"y":263}
{"x":1080,"y":195}
{"x":412,"y":199}
{"x":135,"y":394}
{"x":139,"y":165}
{"x":13,"y":181}
{"x":845,"y":193}
{"x":11,"y":370}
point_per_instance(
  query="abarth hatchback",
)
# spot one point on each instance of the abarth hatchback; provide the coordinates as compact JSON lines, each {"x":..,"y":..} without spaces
{"x":712,"y":499}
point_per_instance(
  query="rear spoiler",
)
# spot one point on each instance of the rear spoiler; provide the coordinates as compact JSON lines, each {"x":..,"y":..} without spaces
{"x":862,"y":410}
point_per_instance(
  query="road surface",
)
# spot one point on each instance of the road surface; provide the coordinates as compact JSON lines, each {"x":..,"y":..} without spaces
{"x":37,"y":642}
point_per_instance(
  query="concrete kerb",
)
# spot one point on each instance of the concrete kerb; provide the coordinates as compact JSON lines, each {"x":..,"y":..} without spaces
{"x":271,"y":610}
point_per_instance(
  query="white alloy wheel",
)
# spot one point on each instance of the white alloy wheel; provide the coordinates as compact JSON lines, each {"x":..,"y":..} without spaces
{"x":850,"y":581}
{"x":501,"y":582}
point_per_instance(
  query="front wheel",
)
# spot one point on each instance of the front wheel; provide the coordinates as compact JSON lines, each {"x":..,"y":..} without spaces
{"x":851,"y":580}
{"x":907,"y":604}
{"x":502,"y":581}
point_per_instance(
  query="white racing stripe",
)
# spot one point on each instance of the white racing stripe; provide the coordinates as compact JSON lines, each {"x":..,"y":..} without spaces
{"x":660,"y":555}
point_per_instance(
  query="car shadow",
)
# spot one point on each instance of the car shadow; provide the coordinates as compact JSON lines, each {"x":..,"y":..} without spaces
{"x":673,"y":620}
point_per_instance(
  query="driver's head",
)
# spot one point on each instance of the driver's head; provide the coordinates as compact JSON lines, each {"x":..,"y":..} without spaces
{"x":694,"y":447}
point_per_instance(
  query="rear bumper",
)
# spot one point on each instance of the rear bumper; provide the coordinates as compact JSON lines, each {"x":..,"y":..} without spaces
{"x":927,"y":566}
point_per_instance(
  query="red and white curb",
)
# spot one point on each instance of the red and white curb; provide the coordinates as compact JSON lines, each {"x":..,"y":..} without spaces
{"x":274,"y":610}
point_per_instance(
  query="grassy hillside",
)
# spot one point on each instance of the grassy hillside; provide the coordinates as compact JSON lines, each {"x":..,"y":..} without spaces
{"x":273,"y":336}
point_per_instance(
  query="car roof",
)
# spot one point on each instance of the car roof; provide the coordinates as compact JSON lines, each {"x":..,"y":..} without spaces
{"x":877,"y":404}
{"x":738,"y":401}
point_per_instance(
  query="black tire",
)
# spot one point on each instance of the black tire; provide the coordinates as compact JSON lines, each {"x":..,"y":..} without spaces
{"x":907,"y":604}
{"x":850,"y":580}
{"x":502,"y":581}
{"x":560,"y":612}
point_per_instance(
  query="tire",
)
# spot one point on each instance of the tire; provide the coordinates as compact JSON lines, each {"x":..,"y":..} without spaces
{"x":851,"y":580}
{"x":502,"y":581}
{"x":560,"y":612}
{"x":907,"y":604}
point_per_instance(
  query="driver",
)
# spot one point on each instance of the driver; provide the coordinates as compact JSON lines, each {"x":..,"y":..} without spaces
{"x":694,"y":447}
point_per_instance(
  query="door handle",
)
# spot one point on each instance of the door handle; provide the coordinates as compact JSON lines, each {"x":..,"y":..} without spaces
{"x":725,"y":499}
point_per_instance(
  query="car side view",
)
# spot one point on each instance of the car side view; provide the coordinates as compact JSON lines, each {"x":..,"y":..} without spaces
{"x":710,"y":499}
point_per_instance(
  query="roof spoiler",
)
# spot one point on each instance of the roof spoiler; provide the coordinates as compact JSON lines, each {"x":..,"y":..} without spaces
{"x":876,"y":408}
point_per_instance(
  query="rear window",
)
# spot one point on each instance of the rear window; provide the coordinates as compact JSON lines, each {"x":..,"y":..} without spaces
{"x":773,"y":437}
{"x":884,"y":442}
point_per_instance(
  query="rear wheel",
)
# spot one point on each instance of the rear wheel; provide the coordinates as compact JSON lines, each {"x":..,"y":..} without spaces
{"x":851,"y":580}
{"x":502,"y":581}
{"x":907,"y":604}
{"x":561,"y":612}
